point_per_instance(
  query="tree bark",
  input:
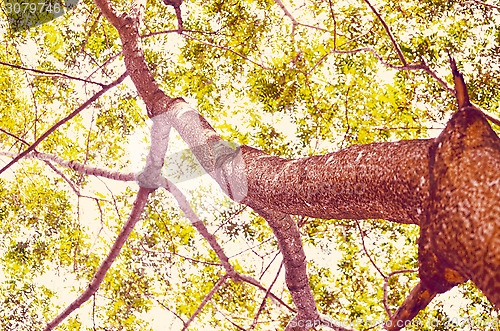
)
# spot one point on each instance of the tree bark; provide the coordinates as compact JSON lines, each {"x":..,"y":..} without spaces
{"x":450,"y":186}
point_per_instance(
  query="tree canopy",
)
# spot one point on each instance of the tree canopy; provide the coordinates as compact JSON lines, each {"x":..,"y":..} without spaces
{"x":291,"y":79}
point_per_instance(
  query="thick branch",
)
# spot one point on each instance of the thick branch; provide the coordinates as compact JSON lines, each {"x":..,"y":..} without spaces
{"x":289,"y":240}
{"x":77,"y":166}
{"x":135,"y":61}
{"x":380,"y":180}
{"x":417,"y":300}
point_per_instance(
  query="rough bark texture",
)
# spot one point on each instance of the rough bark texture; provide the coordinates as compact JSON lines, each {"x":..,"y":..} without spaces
{"x":449,"y":186}
{"x":417,"y":300}
{"x":287,"y":233}
{"x":460,"y":237}
{"x":380,"y":180}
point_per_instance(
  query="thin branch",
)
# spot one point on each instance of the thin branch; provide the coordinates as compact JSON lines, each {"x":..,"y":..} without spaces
{"x":269,"y":265}
{"x":433,"y":73}
{"x":151,"y":34}
{"x":229,"y":320}
{"x":251,"y":248}
{"x":90,"y":29}
{"x":155,"y":33}
{"x":70,"y":183}
{"x":386,"y":277}
{"x":200,"y":227}
{"x":137,"y":209}
{"x":386,"y":27}
{"x":491,"y":118}
{"x":14,"y":136}
{"x":366,"y":251}
{"x":295,"y":23}
{"x":64,"y":120}
{"x":287,"y":13}
{"x":256,"y":318}
{"x":334,"y":25}
{"x":346,"y":116}
{"x":482,"y":4}
{"x":407,"y":128}
{"x":179,"y":255}
{"x":378,"y":56}
{"x":254,"y":282}
{"x":211,"y":239}
{"x":206,"y":299}
{"x":164,"y":306}
{"x":415,"y":66}
{"x":224,"y":48}
{"x":50,"y":73}
{"x":105,"y":63}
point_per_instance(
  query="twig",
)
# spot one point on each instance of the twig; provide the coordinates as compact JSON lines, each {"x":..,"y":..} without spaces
{"x":224,"y":48}
{"x":137,"y":209}
{"x":295,"y":23}
{"x":334,"y":25}
{"x":269,"y":265}
{"x":256,"y":318}
{"x":407,"y":128}
{"x":206,"y":299}
{"x":366,"y":251}
{"x":346,"y":117}
{"x":335,"y":51}
{"x":482,"y":4}
{"x":386,"y":27}
{"x":70,"y":183}
{"x":50,"y":73}
{"x":64,"y":120}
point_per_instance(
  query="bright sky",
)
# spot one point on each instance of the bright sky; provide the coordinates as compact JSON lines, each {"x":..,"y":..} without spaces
{"x":137,"y":150}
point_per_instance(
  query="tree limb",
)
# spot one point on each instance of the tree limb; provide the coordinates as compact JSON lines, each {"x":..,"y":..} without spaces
{"x":206,"y":299}
{"x":51,"y":73}
{"x":389,"y":33}
{"x":417,"y":300}
{"x":289,"y":240}
{"x":64,"y":120}
{"x":77,"y":166}
{"x":135,"y":214}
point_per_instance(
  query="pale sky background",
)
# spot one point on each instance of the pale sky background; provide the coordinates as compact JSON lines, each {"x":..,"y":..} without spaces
{"x":137,"y":150}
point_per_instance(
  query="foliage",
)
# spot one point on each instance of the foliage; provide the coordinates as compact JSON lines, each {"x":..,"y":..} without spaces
{"x":260,"y":81}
